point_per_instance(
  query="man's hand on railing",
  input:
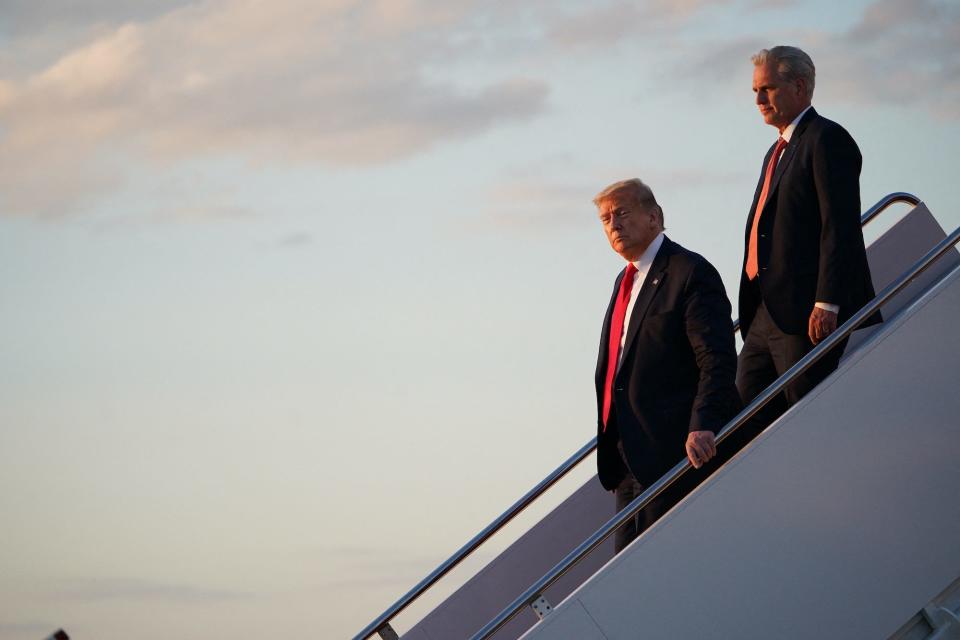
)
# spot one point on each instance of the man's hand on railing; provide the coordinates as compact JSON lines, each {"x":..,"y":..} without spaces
{"x":821,"y":324}
{"x":701,"y":446}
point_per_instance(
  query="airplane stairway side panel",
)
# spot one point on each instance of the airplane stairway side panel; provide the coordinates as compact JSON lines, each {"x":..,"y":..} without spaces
{"x":894,"y":252}
{"x":522,"y":563}
{"x":841,"y":520}
{"x":484,"y":595}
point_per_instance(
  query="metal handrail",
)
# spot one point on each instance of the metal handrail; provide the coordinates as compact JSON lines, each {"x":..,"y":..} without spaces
{"x":886,"y":201}
{"x":461,"y":554}
{"x":535,"y":591}
{"x":478,"y":539}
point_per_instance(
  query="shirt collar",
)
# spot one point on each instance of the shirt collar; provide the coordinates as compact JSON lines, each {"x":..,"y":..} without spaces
{"x":788,"y":132}
{"x":645,"y":261}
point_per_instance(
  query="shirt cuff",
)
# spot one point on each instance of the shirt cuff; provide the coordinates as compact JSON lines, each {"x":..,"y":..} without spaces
{"x":826,"y":306}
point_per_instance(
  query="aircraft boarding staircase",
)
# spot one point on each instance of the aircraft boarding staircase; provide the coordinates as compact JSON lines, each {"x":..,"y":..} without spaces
{"x":841,"y":520}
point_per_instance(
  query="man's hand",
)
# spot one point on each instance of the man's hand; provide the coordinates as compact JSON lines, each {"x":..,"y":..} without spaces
{"x":821,"y":324}
{"x":700,"y":447}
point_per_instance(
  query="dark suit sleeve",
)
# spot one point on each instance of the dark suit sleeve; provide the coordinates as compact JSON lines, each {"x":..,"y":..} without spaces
{"x":836,"y":173}
{"x":710,"y":333}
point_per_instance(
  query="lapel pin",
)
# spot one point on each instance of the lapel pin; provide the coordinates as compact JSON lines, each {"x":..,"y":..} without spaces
{"x":656,"y":280}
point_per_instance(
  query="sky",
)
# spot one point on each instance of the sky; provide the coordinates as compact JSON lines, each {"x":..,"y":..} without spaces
{"x":296,"y":296}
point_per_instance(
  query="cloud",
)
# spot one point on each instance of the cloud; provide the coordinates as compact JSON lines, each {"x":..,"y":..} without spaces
{"x":773,"y":4}
{"x":895,"y":54}
{"x":534,"y":205}
{"x":95,"y":590}
{"x":704,"y":177}
{"x":296,"y":240}
{"x":23,"y":628}
{"x":607,"y":23}
{"x":203,"y":211}
{"x":902,"y":54}
{"x":136,"y":92}
{"x":24,"y":16}
{"x":337,"y":82}
{"x":529,"y":202}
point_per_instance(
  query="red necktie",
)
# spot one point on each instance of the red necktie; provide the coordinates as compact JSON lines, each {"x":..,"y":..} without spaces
{"x":616,"y":330}
{"x":752,"y":268}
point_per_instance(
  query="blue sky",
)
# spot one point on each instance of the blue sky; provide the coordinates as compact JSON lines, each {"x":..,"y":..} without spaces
{"x":297,"y":296}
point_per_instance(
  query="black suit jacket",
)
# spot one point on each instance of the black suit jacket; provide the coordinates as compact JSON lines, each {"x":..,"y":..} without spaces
{"x":809,"y":240}
{"x":677,"y":370}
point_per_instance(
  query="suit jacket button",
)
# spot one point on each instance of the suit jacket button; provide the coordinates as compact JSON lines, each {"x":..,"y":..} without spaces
{"x":619,"y":389}
{"x":763,"y":235}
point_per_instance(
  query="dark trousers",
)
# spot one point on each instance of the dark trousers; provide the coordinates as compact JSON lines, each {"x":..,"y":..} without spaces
{"x":767,"y":353}
{"x":629,"y":488}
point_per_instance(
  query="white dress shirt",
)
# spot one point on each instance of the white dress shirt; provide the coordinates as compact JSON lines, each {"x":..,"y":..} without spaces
{"x":643,"y":265}
{"x":788,"y":132}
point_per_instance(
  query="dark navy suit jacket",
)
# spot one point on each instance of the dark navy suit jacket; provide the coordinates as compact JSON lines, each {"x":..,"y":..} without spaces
{"x":677,"y":371}
{"x":809,"y":240}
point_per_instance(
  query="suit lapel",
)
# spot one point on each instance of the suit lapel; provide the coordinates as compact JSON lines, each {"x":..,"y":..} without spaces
{"x":785,"y":159}
{"x":652,"y":284}
{"x":789,"y":153}
{"x":605,"y":332}
{"x":756,"y":197}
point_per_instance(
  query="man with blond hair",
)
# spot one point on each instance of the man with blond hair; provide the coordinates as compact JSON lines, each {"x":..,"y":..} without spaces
{"x":805,"y":267}
{"x":667,"y":363}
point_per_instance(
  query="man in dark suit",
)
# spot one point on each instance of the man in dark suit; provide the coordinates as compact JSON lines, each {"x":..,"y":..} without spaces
{"x":805,"y":266}
{"x":667,"y":364}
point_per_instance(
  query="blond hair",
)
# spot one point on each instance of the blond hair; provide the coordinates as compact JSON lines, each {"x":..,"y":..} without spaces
{"x":637,"y":191}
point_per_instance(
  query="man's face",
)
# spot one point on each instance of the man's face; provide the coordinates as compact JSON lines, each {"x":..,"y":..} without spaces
{"x":779,"y":101}
{"x":630,"y":227}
